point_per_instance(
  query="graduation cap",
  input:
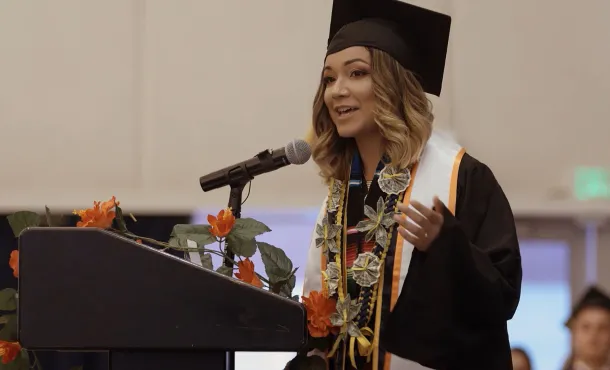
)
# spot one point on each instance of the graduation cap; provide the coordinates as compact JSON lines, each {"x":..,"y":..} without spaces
{"x":416,"y":37}
{"x":593,"y":297}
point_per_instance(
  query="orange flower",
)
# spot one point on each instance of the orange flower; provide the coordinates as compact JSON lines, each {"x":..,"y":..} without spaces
{"x":246,"y":273}
{"x":13,"y":262}
{"x":101,"y":215}
{"x":319,"y":308}
{"x":139,"y":241}
{"x":9,"y":351}
{"x":221,"y":225}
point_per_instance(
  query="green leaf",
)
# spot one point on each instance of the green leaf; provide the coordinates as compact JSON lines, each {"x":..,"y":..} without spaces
{"x":22,"y":220}
{"x":174,"y":242}
{"x":279,"y":269}
{"x":283,"y":287}
{"x":120,"y":219}
{"x":47,"y":213}
{"x":9,"y":328}
{"x":8,"y":299}
{"x":277,"y":265}
{"x":288,"y":287}
{"x":206,"y":261}
{"x":51,"y":219}
{"x":248,"y":228}
{"x":25,"y":359}
{"x":241,"y":247}
{"x":200,"y":234}
{"x":225,"y":270}
{"x":21,"y":362}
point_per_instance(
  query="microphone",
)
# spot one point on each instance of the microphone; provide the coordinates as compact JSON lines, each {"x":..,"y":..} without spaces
{"x":296,"y":152}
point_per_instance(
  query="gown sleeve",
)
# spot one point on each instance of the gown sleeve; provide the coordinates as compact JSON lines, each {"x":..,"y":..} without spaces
{"x":482,"y":240}
{"x":459,"y":294}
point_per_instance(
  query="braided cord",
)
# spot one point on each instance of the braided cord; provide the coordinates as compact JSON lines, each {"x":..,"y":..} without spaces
{"x":368,"y":295}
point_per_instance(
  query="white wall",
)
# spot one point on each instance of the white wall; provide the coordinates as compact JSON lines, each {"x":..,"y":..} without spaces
{"x":138,"y":98}
{"x":531,"y":90}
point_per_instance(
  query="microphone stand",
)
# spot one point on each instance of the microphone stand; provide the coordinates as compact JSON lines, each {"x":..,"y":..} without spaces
{"x":235,"y":202}
{"x":236,"y":192}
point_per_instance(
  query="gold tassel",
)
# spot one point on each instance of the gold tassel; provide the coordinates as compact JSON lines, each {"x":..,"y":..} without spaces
{"x":364,"y":345}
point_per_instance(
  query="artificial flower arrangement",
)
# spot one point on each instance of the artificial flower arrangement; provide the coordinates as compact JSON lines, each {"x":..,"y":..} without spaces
{"x":224,"y":231}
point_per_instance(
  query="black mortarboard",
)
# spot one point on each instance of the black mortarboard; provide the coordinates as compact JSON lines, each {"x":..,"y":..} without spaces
{"x":593,"y":297}
{"x":417,"y":38}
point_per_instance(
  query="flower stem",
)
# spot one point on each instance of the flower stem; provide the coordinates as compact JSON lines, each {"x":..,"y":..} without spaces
{"x":167,"y":245}
{"x":36,"y":362}
{"x":220,"y":252}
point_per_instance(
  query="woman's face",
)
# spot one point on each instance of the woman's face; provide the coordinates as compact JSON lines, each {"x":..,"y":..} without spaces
{"x":591,"y":334}
{"x":348,"y":93}
{"x":519,"y":361}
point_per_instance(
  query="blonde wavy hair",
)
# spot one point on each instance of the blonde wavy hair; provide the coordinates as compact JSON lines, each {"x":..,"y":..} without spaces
{"x":403,"y":115}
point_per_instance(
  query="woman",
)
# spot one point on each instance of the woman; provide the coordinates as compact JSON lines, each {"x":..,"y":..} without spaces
{"x":521,"y":360}
{"x":589,"y":327}
{"x":414,"y":260}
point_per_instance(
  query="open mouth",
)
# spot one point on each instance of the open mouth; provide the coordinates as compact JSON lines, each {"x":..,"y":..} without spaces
{"x":345,"y":111}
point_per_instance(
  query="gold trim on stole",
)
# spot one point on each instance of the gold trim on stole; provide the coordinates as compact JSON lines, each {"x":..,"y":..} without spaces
{"x":398,"y":259}
{"x":395,"y":278}
{"x":454,"y":180}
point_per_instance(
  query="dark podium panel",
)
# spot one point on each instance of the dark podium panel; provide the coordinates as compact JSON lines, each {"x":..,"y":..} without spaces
{"x":86,"y":289}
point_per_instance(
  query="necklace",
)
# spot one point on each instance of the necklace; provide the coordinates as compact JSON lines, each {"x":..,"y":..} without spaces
{"x":353,"y":315}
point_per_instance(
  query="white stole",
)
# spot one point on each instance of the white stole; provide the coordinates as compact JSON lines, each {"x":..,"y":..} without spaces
{"x":436,"y":175}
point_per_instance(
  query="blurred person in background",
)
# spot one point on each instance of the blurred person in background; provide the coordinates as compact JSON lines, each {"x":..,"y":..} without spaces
{"x":415,"y":255}
{"x":589,"y":326}
{"x":521,"y":359}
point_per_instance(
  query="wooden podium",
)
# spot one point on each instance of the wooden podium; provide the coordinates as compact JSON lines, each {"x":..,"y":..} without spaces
{"x":86,"y":289}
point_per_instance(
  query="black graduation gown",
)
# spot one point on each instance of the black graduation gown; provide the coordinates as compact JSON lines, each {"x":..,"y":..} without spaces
{"x":453,"y":309}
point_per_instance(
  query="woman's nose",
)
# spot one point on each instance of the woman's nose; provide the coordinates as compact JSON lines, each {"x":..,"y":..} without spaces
{"x":339,"y":89}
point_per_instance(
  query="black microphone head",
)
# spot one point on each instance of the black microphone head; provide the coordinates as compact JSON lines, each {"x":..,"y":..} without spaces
{"x":298,"y":151}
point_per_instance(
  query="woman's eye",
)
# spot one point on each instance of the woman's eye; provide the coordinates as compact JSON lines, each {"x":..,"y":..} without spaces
{"x":358,"y":73}
{"x":327,"y":80}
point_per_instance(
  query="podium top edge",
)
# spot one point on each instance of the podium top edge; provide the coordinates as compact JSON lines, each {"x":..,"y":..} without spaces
{"x":48,"y":230}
